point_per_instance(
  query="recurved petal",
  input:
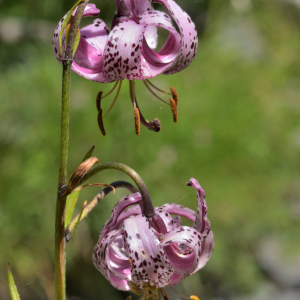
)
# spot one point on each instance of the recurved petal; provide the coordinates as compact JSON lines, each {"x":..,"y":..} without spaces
{"x":206,"y":251}
{"x":117,"y":210}
{"x":183,"y":246}
{"x":153,"y":62}
{"x":148,"y":262}
{"x":166,"y":218}
{"x":122,"y":53}
{"x":118,"y":283}
{"x":188,"y":32}
{"x":201,"y":223}
{"x":108,"y":254}
{"x":180,"y":210}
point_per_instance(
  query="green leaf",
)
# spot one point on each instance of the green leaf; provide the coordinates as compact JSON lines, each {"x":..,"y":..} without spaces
{"x":70,"y":205}
{"x":11,"y":283}
{"x":64,"y":25}
{"x":77,"y":40}
{"x":89,"y":153}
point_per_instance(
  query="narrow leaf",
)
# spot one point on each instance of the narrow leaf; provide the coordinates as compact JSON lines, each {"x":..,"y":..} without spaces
{"x":64,"y":25}
{"x":70,"y":205}
{"x":11,"y":283}
{"x":78,"y":220}
{"x":89,"y":154}
{"x":77,"y":40}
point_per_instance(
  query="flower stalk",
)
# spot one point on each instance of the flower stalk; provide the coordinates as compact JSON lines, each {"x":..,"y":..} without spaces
{"x":60,"y":243}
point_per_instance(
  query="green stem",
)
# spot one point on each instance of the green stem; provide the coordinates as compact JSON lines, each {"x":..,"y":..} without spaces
{"x":60,"y":242}
{"x":147,"y":207}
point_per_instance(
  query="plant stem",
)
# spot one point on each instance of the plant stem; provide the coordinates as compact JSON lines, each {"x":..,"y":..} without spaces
{"x":147,"y":207}
{"x":60,"y":242}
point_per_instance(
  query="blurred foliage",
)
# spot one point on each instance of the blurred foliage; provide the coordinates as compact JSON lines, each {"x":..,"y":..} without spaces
{"x":238,"y":133}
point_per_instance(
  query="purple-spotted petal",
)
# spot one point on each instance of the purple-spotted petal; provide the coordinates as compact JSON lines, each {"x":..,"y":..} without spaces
{"x":148,"y":262}
{"x":206,"y":251}
{"x":122,"y":54}
{"x":166,"y":218}
{"x":153,"y":62}
{"x":188,"y":32}
{"x":108,"y":253}
{"x":201,"y":223}
{"x":180,"y":210}
{"x":183,"y":246}
{"x":112,"y":222}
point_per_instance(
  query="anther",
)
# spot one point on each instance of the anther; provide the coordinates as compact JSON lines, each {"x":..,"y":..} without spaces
{"x":99,"y":118}
{"x":174,"y":95}
{"x":174,"y":109}
{"x":137,"y":121}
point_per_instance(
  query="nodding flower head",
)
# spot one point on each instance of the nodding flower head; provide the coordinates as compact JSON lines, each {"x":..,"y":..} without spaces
{"x":128,"y":50}
{"x":139,"y":253}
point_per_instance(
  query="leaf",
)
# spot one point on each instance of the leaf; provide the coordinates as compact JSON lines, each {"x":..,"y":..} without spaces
{"x":77,"y":40}
{"x":70,"y":205}
{"x":11,"y":283}
{"x":89,"y":154}
{"x":64,"y":26}
{"x":78,"y":221}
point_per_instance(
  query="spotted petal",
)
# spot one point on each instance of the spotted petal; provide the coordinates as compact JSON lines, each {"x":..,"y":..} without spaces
{"x":148,"y":262}
{"x":122,"y":54}
{"x":201,"y":223}
{"x":108,"y":256}
{"x":153,"y":62}
{"x":112,"y":223}
{"x":188,"y":32}
{"x":206,"y":251}
{"x":184,"y":247}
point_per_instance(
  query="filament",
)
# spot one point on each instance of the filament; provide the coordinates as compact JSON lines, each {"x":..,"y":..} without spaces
{"x":148,"y":87}
{"x":116,"y":97}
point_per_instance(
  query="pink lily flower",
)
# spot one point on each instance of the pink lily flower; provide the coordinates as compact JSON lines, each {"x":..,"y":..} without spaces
{"x":135,"y":252}
{"x":128,"y":50}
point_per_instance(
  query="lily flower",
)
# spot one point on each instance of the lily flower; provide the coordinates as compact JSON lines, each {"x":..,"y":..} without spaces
{"x":128,"y":51}
{"x":135,"y":252}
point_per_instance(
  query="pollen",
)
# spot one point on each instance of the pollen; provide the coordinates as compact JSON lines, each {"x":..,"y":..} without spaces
{"x":174,"y":109}
{"x":174,"y":95}
{"x":193,"y":297}
{"x":130,"y":261}
{"x":137,"y":121}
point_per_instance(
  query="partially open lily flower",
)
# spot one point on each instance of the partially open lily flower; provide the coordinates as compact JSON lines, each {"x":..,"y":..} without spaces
{"x":128,"y":50}
{"x":139,"y":253}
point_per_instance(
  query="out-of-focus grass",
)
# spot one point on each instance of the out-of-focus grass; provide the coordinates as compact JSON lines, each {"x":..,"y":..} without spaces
{"x":238,"y":133}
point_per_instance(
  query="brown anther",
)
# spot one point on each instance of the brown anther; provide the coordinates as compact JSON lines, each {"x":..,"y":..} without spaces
{"x":98,"y":100}
{"x":174,"y":95}
{"x":137,"y":121}
{"x":100,"y":122}
{"x":100,"y":118}
{"x":174,"y":109}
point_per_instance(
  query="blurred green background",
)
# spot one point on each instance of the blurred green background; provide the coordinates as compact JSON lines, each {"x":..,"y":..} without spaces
{"x":238,"y":134}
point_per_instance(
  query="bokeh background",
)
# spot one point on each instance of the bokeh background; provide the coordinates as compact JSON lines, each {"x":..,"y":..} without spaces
{"x":238,"y":133}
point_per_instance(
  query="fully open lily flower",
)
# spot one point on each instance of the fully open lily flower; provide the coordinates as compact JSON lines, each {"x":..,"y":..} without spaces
{"x":128,"y":51}
{"x":135,"y":252}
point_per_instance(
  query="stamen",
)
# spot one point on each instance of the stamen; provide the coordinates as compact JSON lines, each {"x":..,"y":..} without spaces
{"x":154,"y":125}
{"x":99,"y":118}
{"x":148,"y":87}
{"x":116,"y":97}
{"x":111,"y":89}
{"x":174,"y":109}
{"x":155,"y":87}
{"x":174,"y":95}
{"x":137,"y":121}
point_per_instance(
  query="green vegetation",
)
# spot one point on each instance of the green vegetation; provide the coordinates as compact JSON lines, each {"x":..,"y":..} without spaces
{"x":238,"y":134}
